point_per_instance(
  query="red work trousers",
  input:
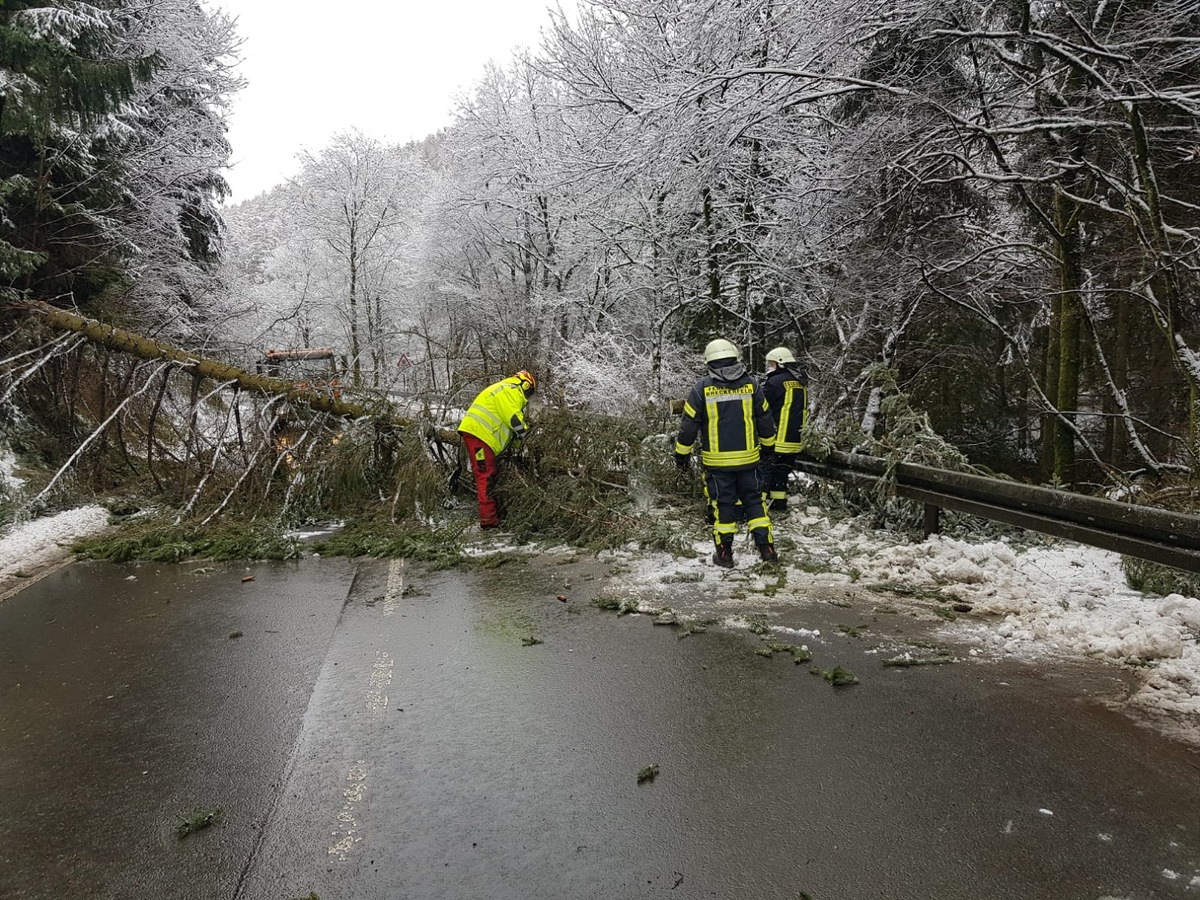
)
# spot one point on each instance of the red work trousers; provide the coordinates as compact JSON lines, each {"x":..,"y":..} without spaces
{"x":483,"y":464}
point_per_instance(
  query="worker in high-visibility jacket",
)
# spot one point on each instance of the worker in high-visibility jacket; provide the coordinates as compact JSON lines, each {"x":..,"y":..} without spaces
{"x":494,"y":421}
{"x":727,"y":412}
{"x":786,"y":390}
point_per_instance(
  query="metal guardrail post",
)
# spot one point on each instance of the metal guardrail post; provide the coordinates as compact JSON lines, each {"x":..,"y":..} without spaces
{"x":932,"y":519}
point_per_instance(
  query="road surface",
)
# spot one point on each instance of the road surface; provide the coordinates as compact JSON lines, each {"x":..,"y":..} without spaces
{"x":373,"y":730}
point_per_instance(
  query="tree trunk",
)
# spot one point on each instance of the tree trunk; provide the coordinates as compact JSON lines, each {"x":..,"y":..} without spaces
{"x":145,"y":348}
{"x":1049,"y":419}
{"x":713,"y":265}
{"x":1070,"y":331}
{"x":355,"y":348}
{"x":1165,"y":282}
{"x":1068,"y":385}
{"x":1114,"y":444}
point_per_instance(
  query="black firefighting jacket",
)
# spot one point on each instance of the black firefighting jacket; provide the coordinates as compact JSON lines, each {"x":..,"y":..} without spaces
{"x":728,"y":412}
{"x":786,"y":390}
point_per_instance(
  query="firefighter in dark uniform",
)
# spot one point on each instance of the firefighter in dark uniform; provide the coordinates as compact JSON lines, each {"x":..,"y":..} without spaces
{"x":727,"y":412}
{"x":786,"y":390}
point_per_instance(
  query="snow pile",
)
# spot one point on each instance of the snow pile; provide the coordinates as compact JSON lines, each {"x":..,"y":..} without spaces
{"x":25,"y":547}
{"x":1062,"y":599}
{"x":1054,"y":597}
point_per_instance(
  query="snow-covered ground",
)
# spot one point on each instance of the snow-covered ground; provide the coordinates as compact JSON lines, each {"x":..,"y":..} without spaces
{"x":1054,"y":599}
{"x":26,"y":548}
{"x":1050,"y":600}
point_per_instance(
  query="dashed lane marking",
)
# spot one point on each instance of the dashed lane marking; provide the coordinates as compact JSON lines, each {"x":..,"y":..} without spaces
{"x":347,"y":833}
{"x":395,"y":587}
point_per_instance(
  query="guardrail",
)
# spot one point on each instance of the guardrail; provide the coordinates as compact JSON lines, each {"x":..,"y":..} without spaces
{"x":1157,"y":535}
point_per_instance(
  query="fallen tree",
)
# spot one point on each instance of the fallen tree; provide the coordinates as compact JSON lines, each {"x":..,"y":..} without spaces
{"x":113,"y":338}
{"x":151,"y":408}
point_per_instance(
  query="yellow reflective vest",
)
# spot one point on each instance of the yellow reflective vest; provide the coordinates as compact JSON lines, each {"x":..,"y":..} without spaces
{"x":497,"y":415}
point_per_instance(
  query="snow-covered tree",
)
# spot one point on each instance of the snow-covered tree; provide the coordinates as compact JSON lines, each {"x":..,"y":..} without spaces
{"x":112,"y":126}
{"x":172,"y":156}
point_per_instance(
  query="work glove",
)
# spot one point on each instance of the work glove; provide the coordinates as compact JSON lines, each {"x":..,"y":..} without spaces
{"x":518,"y":426}
{"x":766,"y":453}
{"x":683,"y":461}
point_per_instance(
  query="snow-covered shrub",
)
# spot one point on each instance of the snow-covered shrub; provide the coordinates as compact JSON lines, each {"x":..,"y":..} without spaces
{"x":613,"y":374}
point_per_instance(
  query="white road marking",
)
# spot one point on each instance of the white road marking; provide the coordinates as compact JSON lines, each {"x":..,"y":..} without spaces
{"x":395,"y":587}
{"x":347,"y":822}
{"x":347,"y":834}
{"x":381,"y":677}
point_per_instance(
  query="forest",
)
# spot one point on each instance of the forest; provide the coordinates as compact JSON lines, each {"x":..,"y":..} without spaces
{"x":976,"y":224}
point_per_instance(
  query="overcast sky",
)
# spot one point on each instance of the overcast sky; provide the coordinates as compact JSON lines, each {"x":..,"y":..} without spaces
{"x":391,"y":70}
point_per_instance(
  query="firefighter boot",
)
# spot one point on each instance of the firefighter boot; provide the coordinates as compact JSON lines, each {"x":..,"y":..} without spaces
{"x":767,"y":552}
{"x":723,"y":555}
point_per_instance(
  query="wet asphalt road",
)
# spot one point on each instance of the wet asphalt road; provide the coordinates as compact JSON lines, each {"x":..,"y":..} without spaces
{"x":377,"y":731}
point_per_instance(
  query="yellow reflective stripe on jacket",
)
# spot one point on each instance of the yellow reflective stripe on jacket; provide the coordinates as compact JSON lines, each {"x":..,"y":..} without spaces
{"x":785,"y":421}
{"x":792,"y":405}
{"x":485,"y":418}
{"x":718,"y":459}
{"x":712,"y":453}
{"x":769,"y":440}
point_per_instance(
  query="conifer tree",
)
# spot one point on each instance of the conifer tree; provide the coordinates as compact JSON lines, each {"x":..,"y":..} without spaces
{"x":112,"y":136}
{"x":62,"y":80}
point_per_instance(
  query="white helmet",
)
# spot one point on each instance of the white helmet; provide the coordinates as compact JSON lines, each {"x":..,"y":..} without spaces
{"x":781,"y":356}
{"x":720,"y":349}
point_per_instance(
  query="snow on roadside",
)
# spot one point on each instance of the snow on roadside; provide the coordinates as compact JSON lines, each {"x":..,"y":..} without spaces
{"x":1046,"y":599}
{"x":1053,"y":599}
{"x":27,"y":546}
{"x":1061,"y":599}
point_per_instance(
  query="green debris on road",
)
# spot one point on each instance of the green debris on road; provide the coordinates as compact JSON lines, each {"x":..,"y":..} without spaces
{"x":623,"y":607}
{"x":836,"y":676}
{"x":197,"y":820}
{"x":799,"y":654}
{"x":906,"y":660}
